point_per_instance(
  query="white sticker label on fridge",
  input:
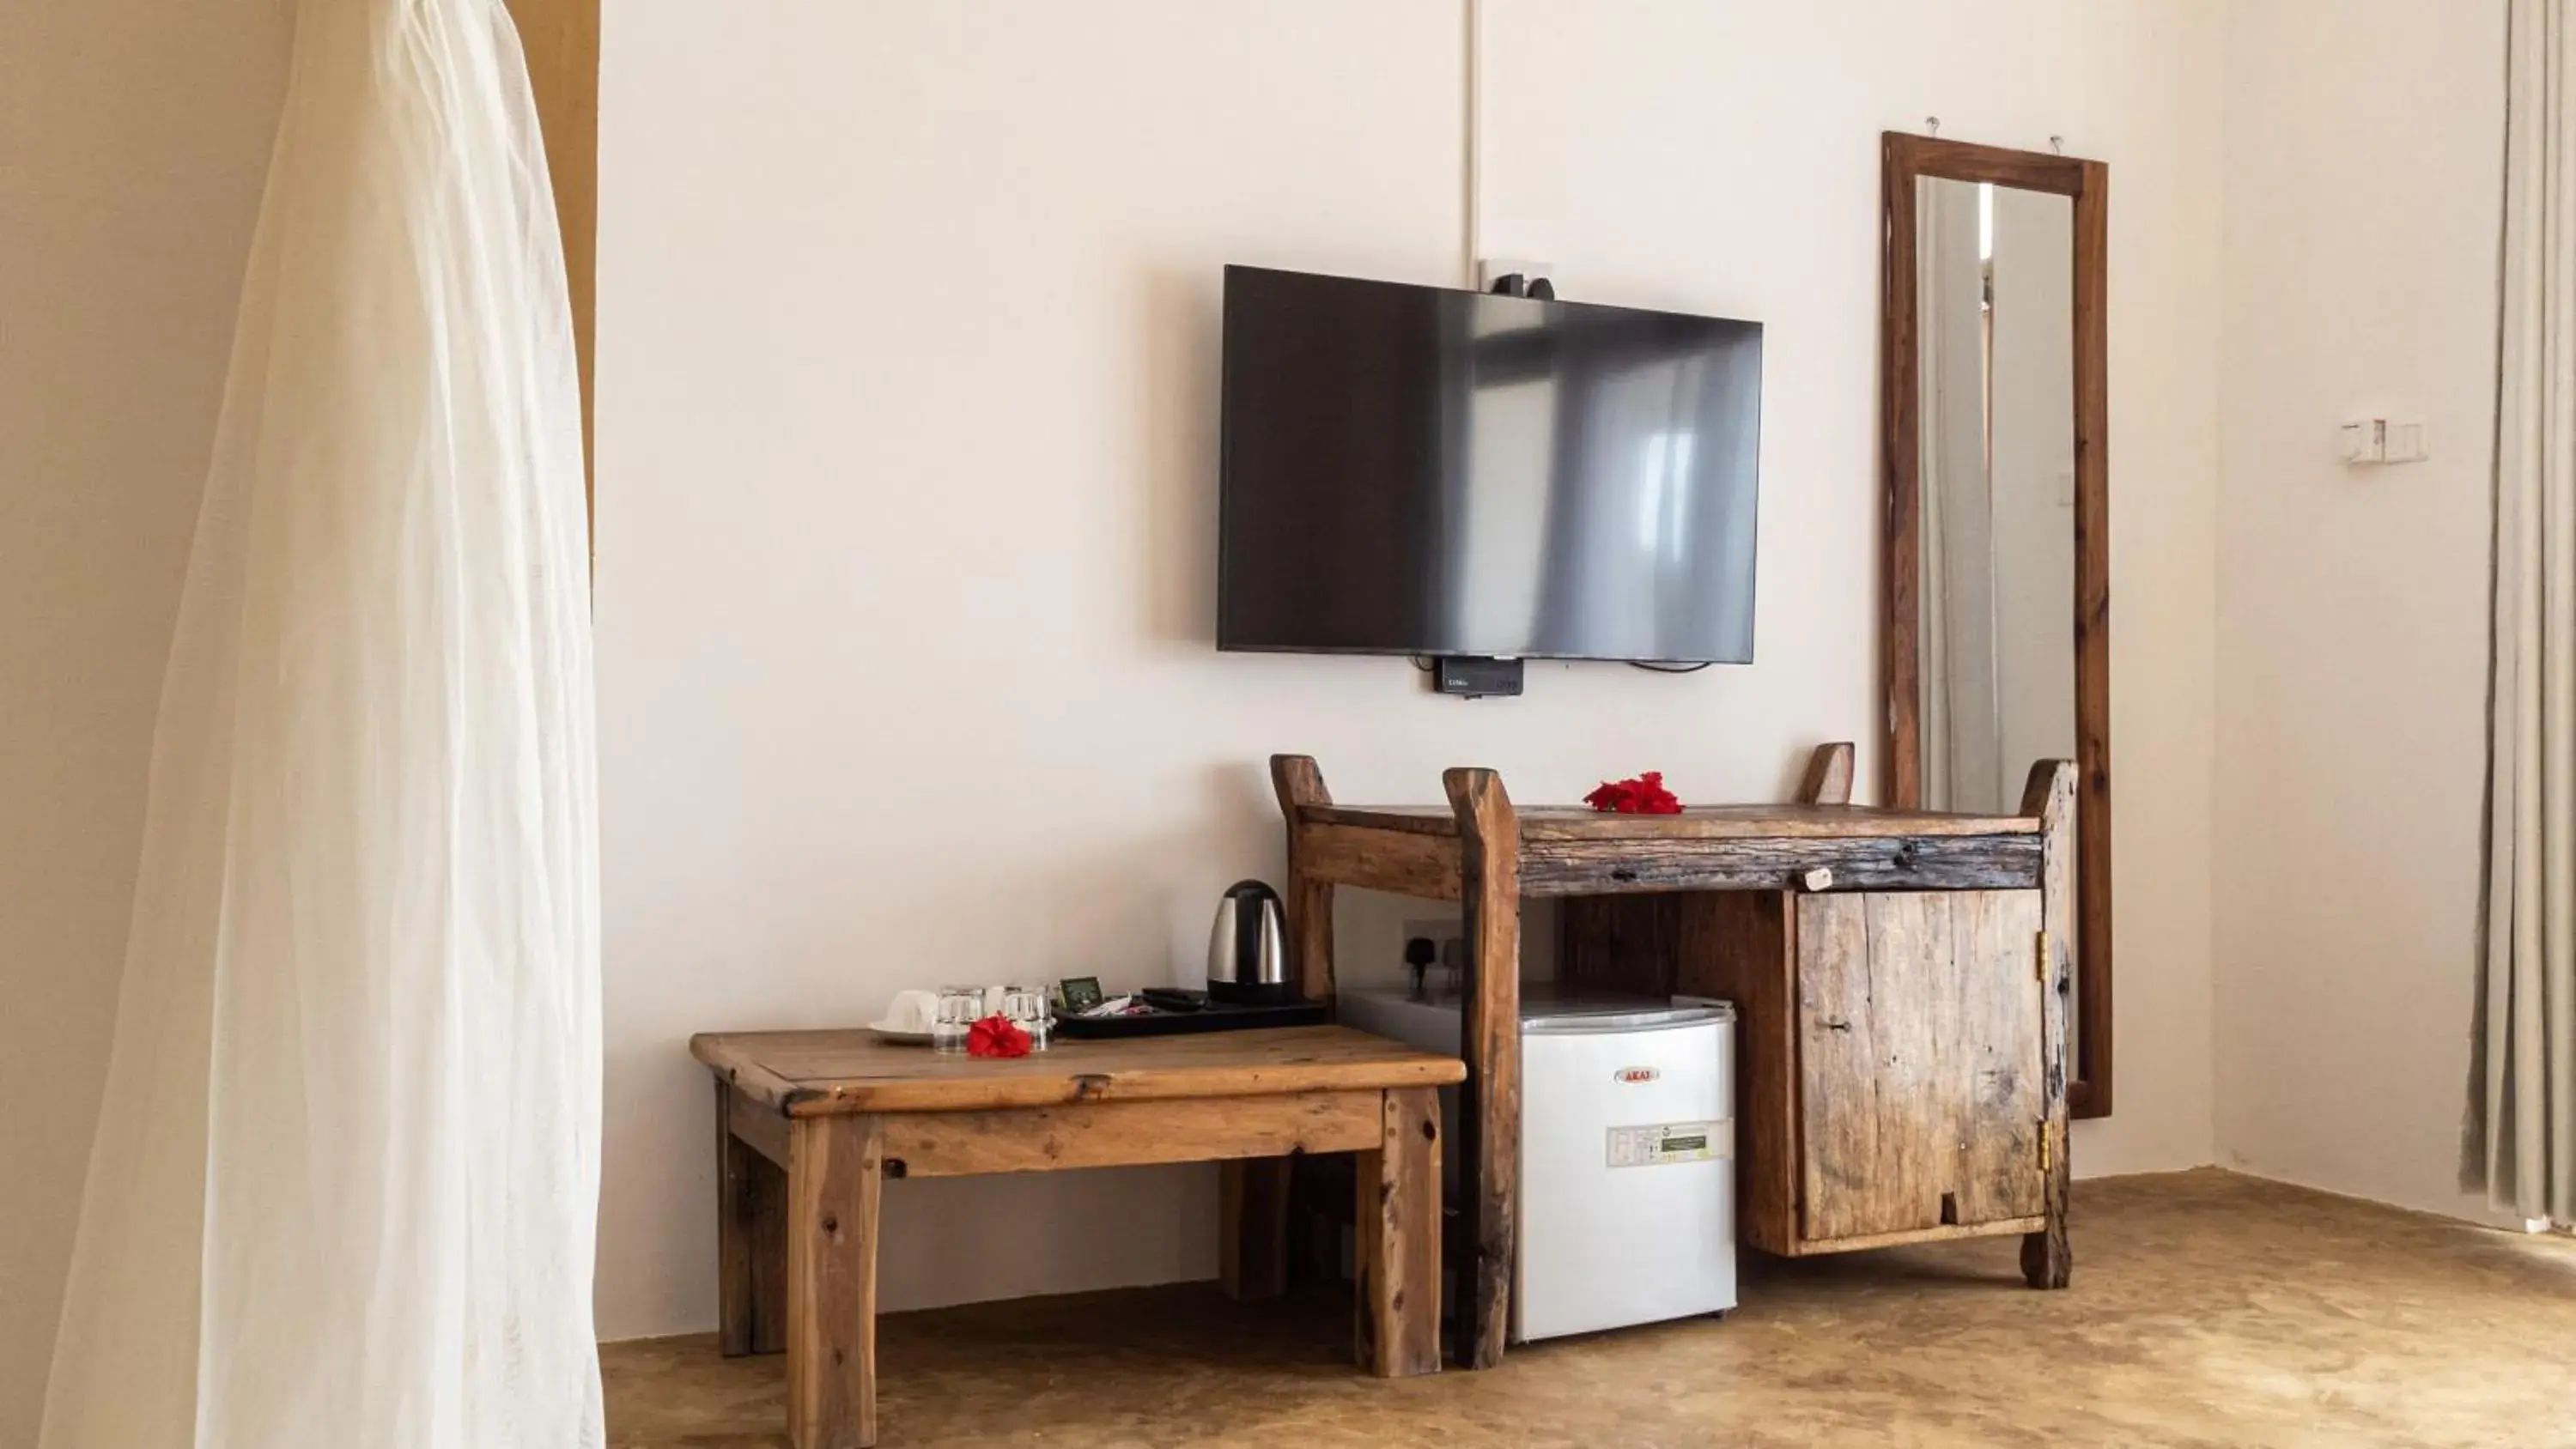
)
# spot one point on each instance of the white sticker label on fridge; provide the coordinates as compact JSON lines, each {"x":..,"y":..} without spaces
{"x":1670,"y":1142}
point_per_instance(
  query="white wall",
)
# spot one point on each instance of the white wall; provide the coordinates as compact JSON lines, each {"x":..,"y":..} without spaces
{"x":906,"y":452}
{"x":2363,"y":176}
{"x":133,"y":136}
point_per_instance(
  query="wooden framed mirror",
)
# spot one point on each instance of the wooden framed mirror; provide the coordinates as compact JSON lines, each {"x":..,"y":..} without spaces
{"x":1993,"y":414}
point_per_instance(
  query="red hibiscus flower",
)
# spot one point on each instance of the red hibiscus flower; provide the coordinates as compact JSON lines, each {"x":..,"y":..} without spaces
{"x":996,"y":1036}
{"x":1644,"y":795}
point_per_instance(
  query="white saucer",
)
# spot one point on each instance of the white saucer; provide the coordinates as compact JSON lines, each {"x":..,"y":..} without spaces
{"x":898,"y":1036}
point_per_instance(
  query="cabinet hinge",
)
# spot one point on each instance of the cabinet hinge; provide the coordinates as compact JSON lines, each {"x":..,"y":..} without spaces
{"x":2041,"y":964}
{"x":2044,"y":1156}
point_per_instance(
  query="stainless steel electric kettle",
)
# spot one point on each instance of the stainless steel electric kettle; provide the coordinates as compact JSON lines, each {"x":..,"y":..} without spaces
{"x":1248,"y":949}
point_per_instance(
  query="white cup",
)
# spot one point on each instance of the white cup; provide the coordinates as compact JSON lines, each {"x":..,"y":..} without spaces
{"x":912,"y":1010}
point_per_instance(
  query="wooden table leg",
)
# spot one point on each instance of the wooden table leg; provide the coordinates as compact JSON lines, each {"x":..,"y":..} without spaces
{"x":1399,"y":1239}
{"x":751,"y":1240}
{"x":1489,"y":1125}
{"x":836,"y":1166}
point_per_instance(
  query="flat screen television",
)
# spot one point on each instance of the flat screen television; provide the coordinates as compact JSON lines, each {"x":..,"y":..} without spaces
{"x":1420,"y":470}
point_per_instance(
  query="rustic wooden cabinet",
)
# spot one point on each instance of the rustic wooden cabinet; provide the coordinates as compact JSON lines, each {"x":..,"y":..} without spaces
{"x":1897,"y":1051}
{"x":1902,"y":1023}
{"x":1893,"y":1050}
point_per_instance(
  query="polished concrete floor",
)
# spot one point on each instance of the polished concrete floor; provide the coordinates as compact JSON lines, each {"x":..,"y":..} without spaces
{"x":2207,"y":1309}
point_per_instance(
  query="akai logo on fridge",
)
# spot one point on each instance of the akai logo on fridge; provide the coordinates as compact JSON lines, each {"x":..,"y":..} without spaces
{"x":1634,"y":1075}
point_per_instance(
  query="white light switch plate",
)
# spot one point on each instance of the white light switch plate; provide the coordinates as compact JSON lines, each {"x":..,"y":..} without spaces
{"x":2365,"y":442}
{"x":2406,"y":442}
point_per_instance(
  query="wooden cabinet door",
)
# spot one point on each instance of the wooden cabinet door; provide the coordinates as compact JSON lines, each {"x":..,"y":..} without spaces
{"x":1919,"y":1060}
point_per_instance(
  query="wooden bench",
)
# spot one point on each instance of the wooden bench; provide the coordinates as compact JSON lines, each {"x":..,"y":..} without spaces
{"x":809,"y":1123}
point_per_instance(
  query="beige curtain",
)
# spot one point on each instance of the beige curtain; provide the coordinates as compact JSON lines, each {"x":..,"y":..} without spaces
{"x":2527,"y":1140}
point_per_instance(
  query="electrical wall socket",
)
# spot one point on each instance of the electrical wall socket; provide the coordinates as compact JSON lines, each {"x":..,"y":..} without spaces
{"x":1447,"y":933}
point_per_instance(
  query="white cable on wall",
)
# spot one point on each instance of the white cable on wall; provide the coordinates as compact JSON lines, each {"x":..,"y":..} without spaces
{"x":1475,"y":119}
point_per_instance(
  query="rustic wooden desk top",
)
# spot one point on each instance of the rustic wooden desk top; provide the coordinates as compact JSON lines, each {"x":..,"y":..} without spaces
{"x":1698,"y":822}
{"x":822,"y":1073}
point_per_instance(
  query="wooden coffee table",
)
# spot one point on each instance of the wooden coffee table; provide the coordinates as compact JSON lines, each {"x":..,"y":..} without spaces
{"x":809,"y":1123}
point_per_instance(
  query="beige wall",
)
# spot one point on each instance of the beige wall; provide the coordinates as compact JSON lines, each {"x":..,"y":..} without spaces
{"x":133,"y":135}
{"x":906,"y":459}
{"x":2363,"y":177}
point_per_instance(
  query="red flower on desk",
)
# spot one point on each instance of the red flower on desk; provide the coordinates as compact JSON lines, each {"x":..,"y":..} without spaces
{"x":1644,"y":795}
{"x":996,"y":1036}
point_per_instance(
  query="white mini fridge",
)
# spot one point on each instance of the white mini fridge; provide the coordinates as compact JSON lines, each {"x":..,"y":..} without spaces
{"x":1627,"y":1192}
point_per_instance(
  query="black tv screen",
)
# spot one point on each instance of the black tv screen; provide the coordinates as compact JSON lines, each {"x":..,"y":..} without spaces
{"x":1419,"y":470}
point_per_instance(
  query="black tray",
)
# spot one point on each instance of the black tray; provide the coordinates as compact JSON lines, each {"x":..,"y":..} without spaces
{"x":1215,"y":1016}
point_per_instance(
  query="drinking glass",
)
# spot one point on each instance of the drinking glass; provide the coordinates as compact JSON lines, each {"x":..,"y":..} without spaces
{"x":1028,"y":1008}
{"x":959,"y":1009}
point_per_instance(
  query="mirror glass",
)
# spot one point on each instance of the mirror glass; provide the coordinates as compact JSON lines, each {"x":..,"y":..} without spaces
{"x":1995,"y":618}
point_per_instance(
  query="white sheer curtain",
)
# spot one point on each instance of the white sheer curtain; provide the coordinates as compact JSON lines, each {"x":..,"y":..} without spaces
{"x":346,"y":1177}
{"x":2526,"y":1145}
